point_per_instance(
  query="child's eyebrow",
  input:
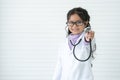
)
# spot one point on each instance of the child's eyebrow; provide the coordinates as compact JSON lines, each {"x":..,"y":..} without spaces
{"x":76,"y":21}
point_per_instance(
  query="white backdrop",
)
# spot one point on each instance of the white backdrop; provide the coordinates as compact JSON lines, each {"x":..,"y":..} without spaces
{"x":31,"y":30}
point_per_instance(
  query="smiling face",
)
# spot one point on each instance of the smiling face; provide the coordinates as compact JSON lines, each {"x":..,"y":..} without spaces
{"x":77,"y":24}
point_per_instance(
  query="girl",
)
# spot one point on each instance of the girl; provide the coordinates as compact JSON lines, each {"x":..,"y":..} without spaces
{"x":68,"y":67}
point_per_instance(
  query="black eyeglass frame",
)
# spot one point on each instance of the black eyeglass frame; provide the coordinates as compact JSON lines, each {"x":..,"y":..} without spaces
{"x":77,"y":23}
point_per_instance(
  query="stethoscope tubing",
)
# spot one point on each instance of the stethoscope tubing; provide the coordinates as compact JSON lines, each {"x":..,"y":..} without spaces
{"x":74,"y":46}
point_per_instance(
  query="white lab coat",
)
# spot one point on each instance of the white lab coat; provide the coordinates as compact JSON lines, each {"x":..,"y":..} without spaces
{"x":68,"y":68}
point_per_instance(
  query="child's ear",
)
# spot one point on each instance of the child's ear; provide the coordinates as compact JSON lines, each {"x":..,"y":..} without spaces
{"x":86,"y":23}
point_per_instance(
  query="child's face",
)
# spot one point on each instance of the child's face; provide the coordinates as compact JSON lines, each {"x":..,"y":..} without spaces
{"x":76,"y":24}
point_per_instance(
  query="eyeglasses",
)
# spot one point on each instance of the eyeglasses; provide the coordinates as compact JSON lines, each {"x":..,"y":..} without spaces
{"x":71,"y":23}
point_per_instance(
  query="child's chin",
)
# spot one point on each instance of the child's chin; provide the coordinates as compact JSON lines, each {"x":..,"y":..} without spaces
{"x":75,"y":33}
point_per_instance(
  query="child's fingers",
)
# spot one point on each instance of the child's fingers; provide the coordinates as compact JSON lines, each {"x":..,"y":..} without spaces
{"x":90,"y":34}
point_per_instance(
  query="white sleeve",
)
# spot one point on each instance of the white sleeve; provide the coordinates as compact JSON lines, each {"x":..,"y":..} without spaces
{"x":93,"y":45}
{"x":58,"y":69}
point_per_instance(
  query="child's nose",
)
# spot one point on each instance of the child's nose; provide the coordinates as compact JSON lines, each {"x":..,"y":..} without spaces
{"x":74,"y":25}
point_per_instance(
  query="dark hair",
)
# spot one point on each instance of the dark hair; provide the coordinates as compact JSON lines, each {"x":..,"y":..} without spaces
{"x":82,"y":13}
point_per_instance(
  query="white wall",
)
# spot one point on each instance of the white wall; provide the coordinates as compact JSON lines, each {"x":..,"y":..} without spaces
{"x":30,"y":31}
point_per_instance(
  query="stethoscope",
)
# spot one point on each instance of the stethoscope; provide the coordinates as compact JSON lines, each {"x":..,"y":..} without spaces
{"x":74,"y":47}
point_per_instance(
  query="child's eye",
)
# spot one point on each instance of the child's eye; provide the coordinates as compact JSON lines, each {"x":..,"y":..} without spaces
{"x":79,"y":23}
{"x":69,"y":23}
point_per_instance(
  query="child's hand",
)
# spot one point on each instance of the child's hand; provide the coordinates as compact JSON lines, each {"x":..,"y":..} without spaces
{"x":89,"y":35}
